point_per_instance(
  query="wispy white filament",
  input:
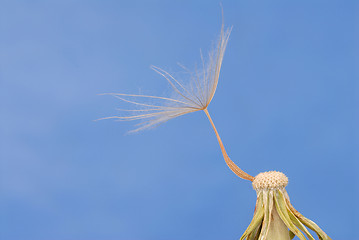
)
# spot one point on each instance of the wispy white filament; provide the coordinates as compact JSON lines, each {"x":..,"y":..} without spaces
{"x":191,"y":97}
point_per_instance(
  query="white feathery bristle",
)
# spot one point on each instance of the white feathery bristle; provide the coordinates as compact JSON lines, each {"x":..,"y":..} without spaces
{"x":191,"y":97}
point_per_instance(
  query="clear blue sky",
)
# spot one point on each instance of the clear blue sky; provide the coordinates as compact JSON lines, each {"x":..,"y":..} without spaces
{"x":287,"y":100}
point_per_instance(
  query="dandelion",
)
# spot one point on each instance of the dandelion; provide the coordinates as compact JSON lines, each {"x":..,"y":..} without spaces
{"x":274,"y":217}
{"x":274,"y":214}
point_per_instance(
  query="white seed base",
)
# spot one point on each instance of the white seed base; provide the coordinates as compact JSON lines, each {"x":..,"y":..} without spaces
{"x":270,"y":180}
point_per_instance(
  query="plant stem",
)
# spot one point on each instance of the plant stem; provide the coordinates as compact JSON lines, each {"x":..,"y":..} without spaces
{"x":239,"y":172}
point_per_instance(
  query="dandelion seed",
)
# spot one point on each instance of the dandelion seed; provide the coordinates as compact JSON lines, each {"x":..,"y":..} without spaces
{"x":196,"y":96}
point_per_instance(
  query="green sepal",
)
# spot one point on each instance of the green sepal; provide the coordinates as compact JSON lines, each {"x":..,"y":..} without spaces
{"x":291,"y":235}
{"x":254,"y":235}
{"x":268,"y":207}
{"x":282,"y":211}
{"x":294,"y":219}
{"x":257,"y":218}
{"x":309,"y":223}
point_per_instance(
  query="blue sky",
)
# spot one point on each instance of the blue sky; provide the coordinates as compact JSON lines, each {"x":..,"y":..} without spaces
{"x":287,"y":100}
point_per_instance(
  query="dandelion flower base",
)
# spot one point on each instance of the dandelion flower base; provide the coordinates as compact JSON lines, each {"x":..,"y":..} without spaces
{"x":274,"y":217}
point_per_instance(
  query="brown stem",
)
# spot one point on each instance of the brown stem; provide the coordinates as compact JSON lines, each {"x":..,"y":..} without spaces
{"x":239,"y":172}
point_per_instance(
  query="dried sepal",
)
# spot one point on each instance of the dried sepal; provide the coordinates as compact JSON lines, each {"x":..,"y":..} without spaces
{"x":257,"y":217}
{"x":268,"y":208}
{"x":282,"y":211}
{"x":278,"y":220}
{"x":255,"y":234}
{"x":307,"y":222}
{"x":277,"y":230}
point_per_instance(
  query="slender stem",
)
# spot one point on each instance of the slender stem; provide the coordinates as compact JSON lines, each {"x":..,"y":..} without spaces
{"x":239,"y":172}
